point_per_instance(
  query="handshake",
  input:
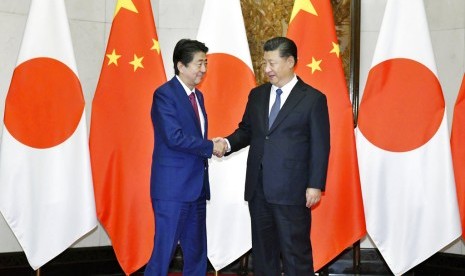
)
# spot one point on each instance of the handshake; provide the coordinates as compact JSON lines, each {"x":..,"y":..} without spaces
{"x":220,"y":146}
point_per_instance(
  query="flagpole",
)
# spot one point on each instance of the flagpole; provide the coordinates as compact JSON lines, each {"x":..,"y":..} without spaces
{"x":355,"y":56}
{"x":38,"y":272}
{"x":244,"y":264}
{"x":356,"y":257}
{"x":355,"y":10}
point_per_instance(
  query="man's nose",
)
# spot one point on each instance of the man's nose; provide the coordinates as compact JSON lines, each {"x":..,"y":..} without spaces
{"x":267,"y":68}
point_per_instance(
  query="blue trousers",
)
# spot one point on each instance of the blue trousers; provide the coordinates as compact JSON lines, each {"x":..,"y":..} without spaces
{"x":183,"y":222}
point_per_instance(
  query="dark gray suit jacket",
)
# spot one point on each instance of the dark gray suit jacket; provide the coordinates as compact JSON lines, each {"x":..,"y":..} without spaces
{"x":294,"y":153}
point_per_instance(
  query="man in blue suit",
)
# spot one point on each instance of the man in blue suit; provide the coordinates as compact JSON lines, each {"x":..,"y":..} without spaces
{"x":179,"y":180}
{"x":286,"y":125}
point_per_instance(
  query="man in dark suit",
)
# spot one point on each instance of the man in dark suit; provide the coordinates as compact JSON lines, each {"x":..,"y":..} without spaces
{"x":286,"y":125}
{"x":179,"y":180}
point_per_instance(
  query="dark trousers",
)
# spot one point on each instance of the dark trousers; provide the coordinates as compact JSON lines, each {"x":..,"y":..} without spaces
{"x":280,"y":230}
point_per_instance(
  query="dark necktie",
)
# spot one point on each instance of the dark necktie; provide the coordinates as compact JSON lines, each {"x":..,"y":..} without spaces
{"x":194,"y":106}
{"x":275,"y":108}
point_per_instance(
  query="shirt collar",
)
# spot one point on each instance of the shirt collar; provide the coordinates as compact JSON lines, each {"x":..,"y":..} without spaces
{"x":186,"y":89}
{"x":287,"y":87}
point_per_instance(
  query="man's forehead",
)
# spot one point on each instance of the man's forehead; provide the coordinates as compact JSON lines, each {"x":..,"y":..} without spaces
{"x":269,"y":55}
{"x":200,"y":56}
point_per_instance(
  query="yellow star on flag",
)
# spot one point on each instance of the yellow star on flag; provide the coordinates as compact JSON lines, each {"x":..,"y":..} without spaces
{"x":113,"y":58}
{"x":315,"y":65}
{"x":305,"y":5}
{"x":335,"y":49}
{"x":126,"y":4}
{"x":156,"y":46}
{"x":137,"y":62}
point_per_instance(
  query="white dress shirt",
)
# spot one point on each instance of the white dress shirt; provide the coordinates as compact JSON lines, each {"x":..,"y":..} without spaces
{"x":286,"y":91}
{"x":188,"y":92}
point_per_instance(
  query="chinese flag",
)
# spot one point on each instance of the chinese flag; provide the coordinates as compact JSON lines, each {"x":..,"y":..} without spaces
{"x":338,"y":221}
{"x":121,"y":135}
{"x":458,"y":150}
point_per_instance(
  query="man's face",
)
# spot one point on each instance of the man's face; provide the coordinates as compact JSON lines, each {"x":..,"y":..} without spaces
{"x":192,"y":73}
{"x":280,"y":70}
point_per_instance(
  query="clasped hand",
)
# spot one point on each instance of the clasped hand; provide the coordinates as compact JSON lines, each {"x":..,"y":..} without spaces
{"x":220,"y":146}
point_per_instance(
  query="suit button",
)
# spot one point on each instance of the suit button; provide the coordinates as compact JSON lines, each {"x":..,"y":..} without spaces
{"x":267,"y":137}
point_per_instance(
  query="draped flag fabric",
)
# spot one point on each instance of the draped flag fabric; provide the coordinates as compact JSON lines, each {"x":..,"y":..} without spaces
{"x":228,"y":221}
{"x":338,"y":221}
{"x":458,"y":150}
{"x":121,"y":136}
{"x":46,"y":193}
{"x":403,"y":144}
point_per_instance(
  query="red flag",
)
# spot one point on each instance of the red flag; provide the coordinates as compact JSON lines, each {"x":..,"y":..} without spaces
{"x":121,"y":135}
{"x":338,"y":221}
{"x":458,"y":150}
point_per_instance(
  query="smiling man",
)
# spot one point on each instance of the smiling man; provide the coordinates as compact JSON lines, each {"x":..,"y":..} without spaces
{"x":179,"y":181}
{"x":286,"y":124}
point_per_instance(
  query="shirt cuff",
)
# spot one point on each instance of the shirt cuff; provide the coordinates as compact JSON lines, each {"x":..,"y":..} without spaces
{"x":229,"y":145}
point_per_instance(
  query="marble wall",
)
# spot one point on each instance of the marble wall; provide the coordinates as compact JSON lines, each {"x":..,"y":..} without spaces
{"x":90,"y":22}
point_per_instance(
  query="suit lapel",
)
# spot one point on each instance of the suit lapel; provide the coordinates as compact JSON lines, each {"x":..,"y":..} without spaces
{"x":184,"y":99}
{"x":297,"y":93}
{"x":204,"y":111}
{"x":264,"y":106}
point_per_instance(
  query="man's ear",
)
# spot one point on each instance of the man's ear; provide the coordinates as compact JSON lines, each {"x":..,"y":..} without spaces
{"x":291,"y":61}
{"x":180,"y":66}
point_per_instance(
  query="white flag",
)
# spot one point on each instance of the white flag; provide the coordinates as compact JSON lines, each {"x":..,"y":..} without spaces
{"x":403,"y":144}
{"x":228,"y":220}
{"x":46,"y":193}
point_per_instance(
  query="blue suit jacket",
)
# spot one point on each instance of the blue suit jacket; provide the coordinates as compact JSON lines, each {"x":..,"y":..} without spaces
{"x":293,"y":154}
{"x":180,"y":156}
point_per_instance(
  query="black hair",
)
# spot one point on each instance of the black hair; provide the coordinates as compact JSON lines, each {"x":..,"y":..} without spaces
{"x":185,"y":50}
{"x":285,"y":46}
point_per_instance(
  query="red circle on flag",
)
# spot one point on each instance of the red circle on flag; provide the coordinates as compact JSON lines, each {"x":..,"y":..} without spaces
{"x":402,"y":106}
{"x":226,"y":87}
{"x":44,"y":103}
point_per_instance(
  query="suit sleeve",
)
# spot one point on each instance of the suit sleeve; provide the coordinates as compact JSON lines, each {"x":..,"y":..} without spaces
{"x":320,"y":143}
{"x":167,"y":123}
{"x":240,"y":138}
